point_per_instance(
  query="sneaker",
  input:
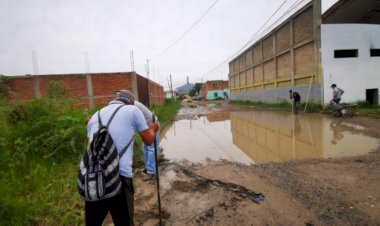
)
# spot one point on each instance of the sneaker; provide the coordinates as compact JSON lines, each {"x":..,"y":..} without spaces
{"x":147,"y":177}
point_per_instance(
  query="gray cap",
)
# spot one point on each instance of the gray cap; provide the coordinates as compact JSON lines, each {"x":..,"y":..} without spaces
{"x":125,"y":96}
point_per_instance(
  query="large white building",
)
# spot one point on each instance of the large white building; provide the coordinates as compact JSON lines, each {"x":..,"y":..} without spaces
{"x":308,"y":52}
{"x":350,"y":41}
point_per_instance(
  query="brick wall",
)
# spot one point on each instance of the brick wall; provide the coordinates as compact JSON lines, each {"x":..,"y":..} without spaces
{"x":156,"y":94}
{"x":86,"y":89}
{"x":22,"y":88}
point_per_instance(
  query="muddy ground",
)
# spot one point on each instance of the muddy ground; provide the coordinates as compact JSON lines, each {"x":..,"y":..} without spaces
{"x":309,"y":192}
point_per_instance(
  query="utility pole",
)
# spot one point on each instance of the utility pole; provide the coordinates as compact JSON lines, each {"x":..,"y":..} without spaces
{"x":171,"y":87}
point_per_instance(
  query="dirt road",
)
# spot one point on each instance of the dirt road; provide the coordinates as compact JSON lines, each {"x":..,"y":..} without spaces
{"x":343,"y":191}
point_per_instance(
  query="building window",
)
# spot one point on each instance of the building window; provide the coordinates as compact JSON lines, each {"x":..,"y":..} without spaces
{"x":215,"y":94}
{"x":345,"y":53}
{"x":375,"y":52}
{"x":215,"y":84}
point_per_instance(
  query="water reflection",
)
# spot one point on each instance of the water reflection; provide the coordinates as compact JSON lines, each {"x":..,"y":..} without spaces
{"x":208,"y":137}
{"x":276,"y":137}
{"x":260,"y":136}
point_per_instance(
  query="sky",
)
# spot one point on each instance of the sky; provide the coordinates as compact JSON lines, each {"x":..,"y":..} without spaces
{"x":185,"y":39}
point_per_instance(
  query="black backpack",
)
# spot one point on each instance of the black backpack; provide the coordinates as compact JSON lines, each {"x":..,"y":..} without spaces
{"x":98,"y":175}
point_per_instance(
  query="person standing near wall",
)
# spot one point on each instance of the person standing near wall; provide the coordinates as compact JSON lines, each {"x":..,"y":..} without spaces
{"x":126,"y":122}
{"x":296,"y":100}
{"x":149,"y":150}
{"x":337,"y":93}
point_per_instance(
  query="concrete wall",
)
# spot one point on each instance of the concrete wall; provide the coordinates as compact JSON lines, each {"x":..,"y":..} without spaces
{"x":87,"y":90}
{"x":281,"y":94}
{"x":287,"y":58}
{"x":354,"y":75}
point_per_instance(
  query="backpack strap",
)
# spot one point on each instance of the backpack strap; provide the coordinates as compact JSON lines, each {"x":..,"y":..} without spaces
{"x":112,"y":116}
{"x":109,"y":122}
{"x":125,"y":148}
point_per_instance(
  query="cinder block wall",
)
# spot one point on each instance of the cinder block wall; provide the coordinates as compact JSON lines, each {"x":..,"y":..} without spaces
{"x":286,"y":58}
{"x":88,"y":90}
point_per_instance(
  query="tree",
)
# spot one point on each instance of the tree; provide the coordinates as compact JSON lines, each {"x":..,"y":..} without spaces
{"x":196,"y":89}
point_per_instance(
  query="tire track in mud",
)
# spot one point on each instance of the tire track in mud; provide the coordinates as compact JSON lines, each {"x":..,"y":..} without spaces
{"x":202,"y":182}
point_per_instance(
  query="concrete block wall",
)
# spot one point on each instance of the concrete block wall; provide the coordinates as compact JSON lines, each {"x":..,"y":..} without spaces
{"x":288,"y":56}
{"x":282,"y":94}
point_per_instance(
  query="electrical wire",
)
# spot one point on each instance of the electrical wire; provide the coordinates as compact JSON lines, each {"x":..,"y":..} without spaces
{"x":257,"y":34}
{"x":186,"y":32}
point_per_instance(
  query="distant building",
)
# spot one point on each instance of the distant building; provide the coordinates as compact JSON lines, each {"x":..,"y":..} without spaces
{"x":215,"y":89}
{"x":308,"y":52}
{"x":169,"y":94}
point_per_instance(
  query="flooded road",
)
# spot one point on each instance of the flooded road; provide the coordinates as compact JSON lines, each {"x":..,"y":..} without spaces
{"x":323,"y":190}
{"x":264,"y":136}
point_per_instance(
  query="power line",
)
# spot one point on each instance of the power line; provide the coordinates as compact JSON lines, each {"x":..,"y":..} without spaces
{"x":186,"y":32}
{"x":249,"y":41}
{"x":256,"y":34}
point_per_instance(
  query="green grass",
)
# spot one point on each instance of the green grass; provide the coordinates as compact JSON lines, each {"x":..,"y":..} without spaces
{"x":41,"y":144}
{"x":167,"y":112}
{"x":367,"y":109}
{"x":363,"y":109}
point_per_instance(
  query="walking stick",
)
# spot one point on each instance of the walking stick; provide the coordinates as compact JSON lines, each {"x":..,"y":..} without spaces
{"x":157,"y":173}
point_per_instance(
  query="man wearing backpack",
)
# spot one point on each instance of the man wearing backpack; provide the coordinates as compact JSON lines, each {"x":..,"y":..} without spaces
{"x":127,"y":119}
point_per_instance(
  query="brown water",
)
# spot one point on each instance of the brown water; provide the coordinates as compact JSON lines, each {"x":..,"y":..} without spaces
{"x":260,"y":136}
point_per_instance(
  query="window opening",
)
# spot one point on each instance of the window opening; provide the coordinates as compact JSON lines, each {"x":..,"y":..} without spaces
{"x":345,"y":53}
{"x":375,"y":52}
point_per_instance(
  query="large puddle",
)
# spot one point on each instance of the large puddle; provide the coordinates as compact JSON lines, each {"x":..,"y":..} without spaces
{"x":261,"y":136}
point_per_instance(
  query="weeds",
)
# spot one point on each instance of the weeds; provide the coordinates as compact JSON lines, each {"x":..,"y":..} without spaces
{"x":365,"y":108}
{"x":41,"y":143}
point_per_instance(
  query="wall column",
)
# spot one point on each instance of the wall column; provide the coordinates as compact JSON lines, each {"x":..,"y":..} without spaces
{"x":317,"y":12}
{"x":90,"y":91}
{"x":134,"y":90}
{"x":37,"y":90}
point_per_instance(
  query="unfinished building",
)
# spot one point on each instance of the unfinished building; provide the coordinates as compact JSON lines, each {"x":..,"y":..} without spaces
{"x":290,"y":57}
{"x":88,"y":90}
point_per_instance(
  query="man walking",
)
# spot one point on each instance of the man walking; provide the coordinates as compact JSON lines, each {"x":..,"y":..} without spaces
{"x":126,"y":122}
{"x":337,"y":93}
